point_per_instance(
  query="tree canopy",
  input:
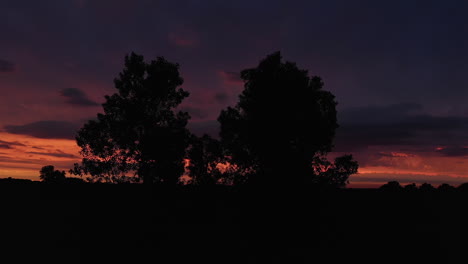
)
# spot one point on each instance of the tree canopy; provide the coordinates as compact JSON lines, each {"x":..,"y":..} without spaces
{"x":283,"y":122}
{"x":139,"y":135}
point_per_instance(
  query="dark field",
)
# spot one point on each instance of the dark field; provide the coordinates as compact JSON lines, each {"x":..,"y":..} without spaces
{"x":103,"y":223}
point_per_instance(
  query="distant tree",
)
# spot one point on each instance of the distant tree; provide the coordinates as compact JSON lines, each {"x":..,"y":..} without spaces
{"x":426,"y":187}
{"x":204,"y":155}
{"x":15,"y":181}
{"x":463,"y":187}
{"x":49,"y":174}
{"x":283,"y":121}
{"x":444,"y":187}
{"x":391,"y":186}
{"x":139,"y":136}
{"x":411,"y":187}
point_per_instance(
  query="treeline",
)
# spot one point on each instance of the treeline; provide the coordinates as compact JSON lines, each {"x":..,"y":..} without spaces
{"x":395,"y":186}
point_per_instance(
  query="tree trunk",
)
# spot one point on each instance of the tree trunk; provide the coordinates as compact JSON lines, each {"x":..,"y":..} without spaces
{"x":146,"y":175}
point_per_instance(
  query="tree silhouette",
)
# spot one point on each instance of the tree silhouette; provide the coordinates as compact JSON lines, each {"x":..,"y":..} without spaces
{"x":49,"y":174}
{"x":283,"y":121}
{"x":463,"y":187}
{"x":445,"y":187}
{"x":139,"y":134}
{"x":205,"y":155}
{"x":392,"y":186}
{"x":427,"y":187}
{"x":410,"y":187}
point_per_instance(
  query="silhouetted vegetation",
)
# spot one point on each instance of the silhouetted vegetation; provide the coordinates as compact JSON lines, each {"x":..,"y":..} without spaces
{"x":463,"y":187}
{"x":279,"y":132}
{"x":410,"y":187}
{"x":205,"y":154}
{"x":282,"y":127}
{"x":426,"y":187}
{"x":393,"y":186}
{"x":49,"y":174}
{"x":139,"y":136}
{"x":446,"y":188}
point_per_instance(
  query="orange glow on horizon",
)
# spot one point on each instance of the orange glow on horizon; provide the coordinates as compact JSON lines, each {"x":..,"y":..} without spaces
{"x":25,"y":155}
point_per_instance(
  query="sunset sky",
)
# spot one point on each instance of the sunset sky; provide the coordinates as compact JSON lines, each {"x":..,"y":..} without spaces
{"x":397,"y":68}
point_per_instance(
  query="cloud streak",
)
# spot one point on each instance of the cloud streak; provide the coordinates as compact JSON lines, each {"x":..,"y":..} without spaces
{"x":230,"y":77}
{"x":48,"y":129}
{"x":453,"y":151}
{"x":11,"y":143}
{"x":57,"y":154}
{"x":398,"y":125}
{"x":77,"y":97}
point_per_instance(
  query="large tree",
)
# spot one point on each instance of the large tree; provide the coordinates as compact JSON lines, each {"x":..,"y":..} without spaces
{"x":283,"y":123}
{"x":140,"y":135}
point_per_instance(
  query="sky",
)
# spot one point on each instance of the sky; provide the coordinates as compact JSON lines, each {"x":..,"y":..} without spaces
{"x":397,"y":69}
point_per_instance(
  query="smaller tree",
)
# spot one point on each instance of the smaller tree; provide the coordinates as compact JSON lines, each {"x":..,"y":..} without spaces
{"x":426,"y":187}
{"x":463,"y":187}
{"x":445,"y":187}
{"x":410,"y":187}
{"x":391,"y":186}
{"x":205,"y":155}
{"x":49,"y":174}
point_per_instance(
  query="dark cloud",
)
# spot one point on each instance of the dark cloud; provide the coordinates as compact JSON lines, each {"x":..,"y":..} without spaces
{"x":221,"y":97}
{"x":453,"y":151}
{"x":45,"y":129}
{"x":75,"y":96}
{"x":6,"y":158}
{"x":34,"y":147}
{"x":195,"y":112}
{"x":394,"y":154}
{"x":231,"y":77}
{"x":9,"y":145}
{"x":374,"y":114}
{"x":12,"y":143}
{"x":6,"y":66}
{"x":400,"y":124}
{"x":57,"y":153}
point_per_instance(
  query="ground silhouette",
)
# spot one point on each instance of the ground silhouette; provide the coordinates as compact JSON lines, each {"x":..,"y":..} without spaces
{"x":228,"y":224}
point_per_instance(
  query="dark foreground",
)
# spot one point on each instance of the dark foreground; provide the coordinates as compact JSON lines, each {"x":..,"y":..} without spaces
{"x":99,"y":223}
